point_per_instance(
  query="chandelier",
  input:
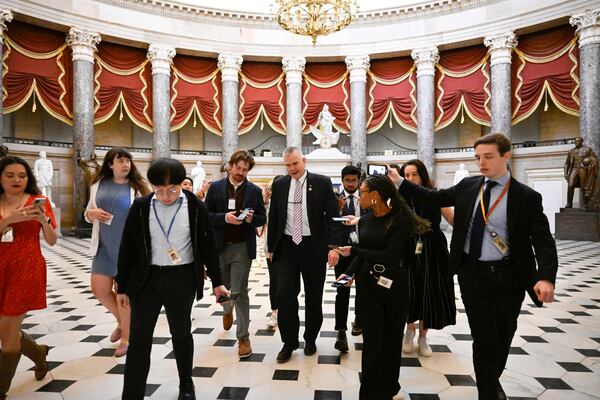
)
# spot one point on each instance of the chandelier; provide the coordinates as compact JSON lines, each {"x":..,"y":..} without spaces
{"x":314,"y":17}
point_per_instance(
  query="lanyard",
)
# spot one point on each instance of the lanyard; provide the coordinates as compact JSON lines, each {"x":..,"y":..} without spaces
{"x":172,"y":220}
{"x":493,"y":207}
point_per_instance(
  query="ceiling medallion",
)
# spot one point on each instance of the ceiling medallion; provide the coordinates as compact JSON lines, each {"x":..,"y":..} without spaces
{"x":314,"y":18}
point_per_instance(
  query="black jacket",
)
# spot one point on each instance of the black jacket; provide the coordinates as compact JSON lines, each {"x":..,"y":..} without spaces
{"x":135,"y":253}
{"x":217,"y":201}
{"x":528,"y":229}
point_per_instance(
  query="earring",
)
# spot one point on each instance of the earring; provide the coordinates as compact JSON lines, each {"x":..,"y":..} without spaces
{"x":373,"y":201}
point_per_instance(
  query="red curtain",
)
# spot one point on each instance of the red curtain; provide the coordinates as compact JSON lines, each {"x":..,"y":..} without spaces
{"x":391,"y":91}
{"x":37,"y":62}
{"x":123,"y":82}
{"x":463,"y":86}
{"x":326,"y":83}
{"x":262,"y":95}
{"x":196,"y":92}
{"x":546,"y":67}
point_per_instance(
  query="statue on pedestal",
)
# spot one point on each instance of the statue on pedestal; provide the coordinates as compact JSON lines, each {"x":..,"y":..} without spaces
{"x":43,"y":172}
{"x":581,"y":171}
{"x":3,"y":151}
{"x":460,"y":174}
{"x":90,"y":167}
{"x":198,"y":175}
{"x":326,"y":136}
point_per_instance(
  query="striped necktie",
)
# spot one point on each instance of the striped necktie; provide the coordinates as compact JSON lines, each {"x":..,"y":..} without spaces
{"x":297,"y":214}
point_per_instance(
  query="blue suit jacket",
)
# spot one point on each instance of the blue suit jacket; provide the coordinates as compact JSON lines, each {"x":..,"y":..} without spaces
{"x":216,"y":202}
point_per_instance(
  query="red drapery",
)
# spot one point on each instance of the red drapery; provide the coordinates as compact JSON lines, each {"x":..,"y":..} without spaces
{"x":546,"y":64}
{"x":123,"y":81}
{"x":326,"y":83}
{"x":391,"y":91}
{"x":262,"y":94}
{"x":196,"y":91}
{"x":463,"y":86}
{"x":37,"y":62}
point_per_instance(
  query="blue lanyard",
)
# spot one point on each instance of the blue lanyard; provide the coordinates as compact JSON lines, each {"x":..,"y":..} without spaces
{"x":180,"y":201}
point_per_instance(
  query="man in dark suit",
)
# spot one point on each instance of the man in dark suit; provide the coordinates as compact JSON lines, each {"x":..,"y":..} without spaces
{"x":300,"y":228}
{"x":500,"y":232}
{"x":236,"y":238}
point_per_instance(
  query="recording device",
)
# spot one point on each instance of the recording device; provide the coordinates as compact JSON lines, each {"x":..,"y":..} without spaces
{"x":333,"y":246}
{"x":341,"y":282}
{"x":377,"y":169}
{"x":224,"y":299}
{"x":40,"y":201}
{"x":340,"y":219}
{"x":243,"y":214}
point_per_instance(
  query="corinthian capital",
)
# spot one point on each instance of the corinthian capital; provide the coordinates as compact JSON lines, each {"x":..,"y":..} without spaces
{"x":500,"y":47}
{"x":358,"y":67}
{"x":161,"y":59}
{"x":230,"y":66}
{"x":587,"y":27}
{"x":425,"y":60}
{"x":83,"y":43}
{"x":293,"y":68}
{"x":5,"y":17}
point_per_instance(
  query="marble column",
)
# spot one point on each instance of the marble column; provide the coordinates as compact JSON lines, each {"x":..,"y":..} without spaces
{"x":5,"y":17}
{"x":293,"y":68}
{"x":161,"y":59}
{"x":425,"y":60}
{"x":358,"y":67}
{"x":500,"y":48}
{"x":230,"y":66}
{"x":83,"y":44}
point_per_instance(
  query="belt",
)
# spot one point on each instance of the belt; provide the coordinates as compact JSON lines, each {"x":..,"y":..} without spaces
{"x":170,"y":268}
{"x":492,"y":265}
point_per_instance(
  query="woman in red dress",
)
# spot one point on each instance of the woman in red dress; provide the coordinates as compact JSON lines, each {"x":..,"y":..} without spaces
{"x":22,"y":265}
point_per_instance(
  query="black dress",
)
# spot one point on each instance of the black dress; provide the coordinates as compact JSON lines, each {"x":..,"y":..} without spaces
{"x":431,"y":287}
{"x":382,"y":311}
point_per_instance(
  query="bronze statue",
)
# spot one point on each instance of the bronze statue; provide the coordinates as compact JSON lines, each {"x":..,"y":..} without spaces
{"x":3,"y":151}
{"x":90,"y":167}
{"x":581,"y":171}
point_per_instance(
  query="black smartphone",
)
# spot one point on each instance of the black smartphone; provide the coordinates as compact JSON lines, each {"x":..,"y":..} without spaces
{"x":231,"y":297}
{"x":342,"y":282}
{"x":333,"y":246}
{"x":377,"y":169}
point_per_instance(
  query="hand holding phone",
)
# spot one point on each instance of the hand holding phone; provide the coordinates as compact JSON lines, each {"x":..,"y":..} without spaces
{"x":243,"y":214}
{"x":343,"y":280}
{"x":340,"y":219}
{"x":376,"y":169}
{"x":40,"y":202}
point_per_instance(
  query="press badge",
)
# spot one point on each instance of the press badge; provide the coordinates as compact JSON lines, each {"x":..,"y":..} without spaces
{"x":231,"y":204}
{"x":7,"y":235}
{"x":500,"y":244}
{"x":353,"y":237}
{"x":174,"y":255}
{"x":385,"y":282}
{"x":419,"y":247}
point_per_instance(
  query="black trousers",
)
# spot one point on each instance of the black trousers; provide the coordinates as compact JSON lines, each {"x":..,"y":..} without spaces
{"x":292,"y":262}
{"x":272,"y":284}
{"x":174,"y":288}
{"x":383,"y":313}
{"x":342,"y":298}
{"x":492,"y":295}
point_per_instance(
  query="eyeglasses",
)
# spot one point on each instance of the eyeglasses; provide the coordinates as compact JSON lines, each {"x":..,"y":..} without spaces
{"x":170,"y":191}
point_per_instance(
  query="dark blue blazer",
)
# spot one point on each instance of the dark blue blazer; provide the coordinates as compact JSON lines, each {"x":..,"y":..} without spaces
{"x":217,"y":201}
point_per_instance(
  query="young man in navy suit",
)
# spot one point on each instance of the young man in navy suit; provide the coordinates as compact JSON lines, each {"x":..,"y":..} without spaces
{"x":501,"y":247}
{"x":236,"y":238}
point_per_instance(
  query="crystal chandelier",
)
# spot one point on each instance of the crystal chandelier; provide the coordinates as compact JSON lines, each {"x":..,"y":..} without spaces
{"x":314,"y":17}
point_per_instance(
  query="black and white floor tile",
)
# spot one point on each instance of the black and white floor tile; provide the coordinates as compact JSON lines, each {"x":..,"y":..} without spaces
{"x":555,"y":354}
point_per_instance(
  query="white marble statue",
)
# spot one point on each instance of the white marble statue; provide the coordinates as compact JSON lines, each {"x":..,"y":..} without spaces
{"x":43,"y":171}
{"x":323,"y":132}
{"x":460,"y":174}
{"x":198,"y":175}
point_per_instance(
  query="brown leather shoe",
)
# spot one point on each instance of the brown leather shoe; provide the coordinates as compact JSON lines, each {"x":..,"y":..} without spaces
{"x":244,"y":348}
{"x":227,"y":320}
{"x":36,"y":353}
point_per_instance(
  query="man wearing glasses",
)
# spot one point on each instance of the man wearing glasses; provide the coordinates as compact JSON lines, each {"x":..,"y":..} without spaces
{"x":167,"y":243}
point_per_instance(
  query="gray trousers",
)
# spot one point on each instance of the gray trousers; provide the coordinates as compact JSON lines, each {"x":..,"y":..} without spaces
{"x":235,"y":268}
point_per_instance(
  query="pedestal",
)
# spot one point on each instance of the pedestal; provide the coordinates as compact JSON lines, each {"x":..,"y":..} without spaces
{"x":56,"y":212}
{"x":577,"y":224}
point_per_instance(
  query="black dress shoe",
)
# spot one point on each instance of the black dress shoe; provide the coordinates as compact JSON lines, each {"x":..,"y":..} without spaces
{"x":356,"y":329}
{"x":341,"y":343}
{"x":286,"y":353}
{"x":310,"y":348}
{"x":187,"y":391}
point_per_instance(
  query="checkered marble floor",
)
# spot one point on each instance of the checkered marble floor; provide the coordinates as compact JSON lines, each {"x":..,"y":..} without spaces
{"x":555,"y":353}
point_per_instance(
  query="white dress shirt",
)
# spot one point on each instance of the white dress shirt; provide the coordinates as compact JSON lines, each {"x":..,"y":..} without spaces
{"x":355,"y":199}
{"x":290,"y":206}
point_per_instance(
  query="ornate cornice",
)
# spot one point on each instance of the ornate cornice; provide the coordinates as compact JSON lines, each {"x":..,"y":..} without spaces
{"x":425,"y":60}
{"x":293,"y":68}
{"x":588,"y":27}
{"x":500,"y":47}
{"x":358,"y":67}
{"x":5,"y":17}
{"x":230,"y":66}
{"x":83,"y":43}
{"x":161,"y":58}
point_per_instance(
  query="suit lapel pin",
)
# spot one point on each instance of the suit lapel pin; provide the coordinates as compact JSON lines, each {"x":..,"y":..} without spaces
{"x":309,"y":188}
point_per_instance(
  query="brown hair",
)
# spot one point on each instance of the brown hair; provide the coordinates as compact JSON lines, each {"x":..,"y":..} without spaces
{"x":136,"y":181}
{"x":502,"y":142}
{"x":242,"y":155}
{"x":31,"y":187}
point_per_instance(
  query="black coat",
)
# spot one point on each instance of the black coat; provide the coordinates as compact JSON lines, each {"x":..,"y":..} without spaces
{"x":135,"y":253}
{"x":528,"y":230}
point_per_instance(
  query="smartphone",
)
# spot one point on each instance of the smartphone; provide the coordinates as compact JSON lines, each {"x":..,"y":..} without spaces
{"x":377,"y":169}
{"x":232,"y":297}
{"x":333,"y":246}
{"x":40,"y":201}
{"x":342,"y":282}
{"x":340,"y":219}
{"x":243,"y":214}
